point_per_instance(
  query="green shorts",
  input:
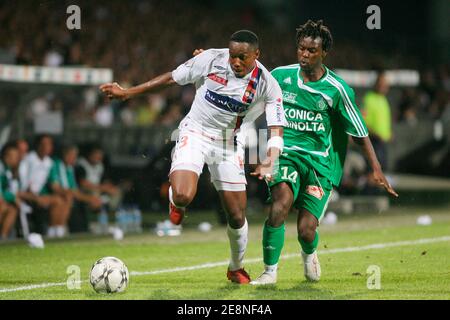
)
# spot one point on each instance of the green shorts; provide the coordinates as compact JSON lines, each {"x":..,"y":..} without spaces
{"x":311,"y":191}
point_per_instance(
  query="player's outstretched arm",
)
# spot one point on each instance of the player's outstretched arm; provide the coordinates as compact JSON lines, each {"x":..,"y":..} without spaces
{"x":115,"y":91}
{"x":378,"y":174}
{"x":274,"y":148}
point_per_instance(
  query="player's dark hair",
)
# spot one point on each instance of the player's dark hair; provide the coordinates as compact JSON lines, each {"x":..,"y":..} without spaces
{"x":8,"y":146}
{"x":39,"y":138}
{"x":93,"y":147}
{"x":246,"y":36}
{"x":316,"y":29}
{"x":67,"y":147}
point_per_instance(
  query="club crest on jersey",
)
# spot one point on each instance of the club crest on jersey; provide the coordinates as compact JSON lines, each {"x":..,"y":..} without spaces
{"x":216,"y":78}
{"x":315,"y":191}
{"x":321,"y":104}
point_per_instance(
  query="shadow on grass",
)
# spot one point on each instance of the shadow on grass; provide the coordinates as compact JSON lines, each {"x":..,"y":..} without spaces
{"x":300,"y":291}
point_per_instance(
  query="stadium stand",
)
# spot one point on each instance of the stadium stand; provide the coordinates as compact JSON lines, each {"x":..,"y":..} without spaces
{"x":137,"y":135}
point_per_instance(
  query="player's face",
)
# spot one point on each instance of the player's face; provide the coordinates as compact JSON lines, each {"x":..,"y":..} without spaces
{"x":242,"y":58}
{"x":46,"y":146}
{"x":12,"y":158}
{"x":96,"y":157}
{"x":70,"y":158}
{"x":23,"y":147}
{"x":310,"y":53}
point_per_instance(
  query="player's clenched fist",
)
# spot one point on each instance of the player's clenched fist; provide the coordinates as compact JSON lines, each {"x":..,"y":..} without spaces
{"x":114,"y":91}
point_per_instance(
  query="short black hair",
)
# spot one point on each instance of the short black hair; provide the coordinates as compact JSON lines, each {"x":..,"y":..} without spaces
{"x":38,"y":139}
{"x":67,"y":147}
{"x":246,"y":36}
{"x":8,"y":146}
{"x":316,"y":29}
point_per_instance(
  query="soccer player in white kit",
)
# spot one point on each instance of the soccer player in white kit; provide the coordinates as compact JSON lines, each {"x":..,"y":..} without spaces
{"x":232,"y":88}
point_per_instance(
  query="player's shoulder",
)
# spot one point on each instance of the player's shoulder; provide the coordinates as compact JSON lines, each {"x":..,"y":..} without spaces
{"x":268,"y":82}
{"x":215,"y":53}
{"x":336,"y":81}
{"x":265,"y":73}
{"x":282,"y":70}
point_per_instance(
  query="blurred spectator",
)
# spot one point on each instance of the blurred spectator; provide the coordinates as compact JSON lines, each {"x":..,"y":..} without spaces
{"x":63,"y":182}
{"x":9,"y":188}
{"x":149,"y":111}
{"x":354,"y":178}
{"x":407,"y":107}
{"x":90,"y":173}
{"x":34,"y":172}
{"x":23,"y":148}
{"x":104,"y":115}
{"x":53,"y":59}
{"x":172,"y":115}
{"x":377,"y":114}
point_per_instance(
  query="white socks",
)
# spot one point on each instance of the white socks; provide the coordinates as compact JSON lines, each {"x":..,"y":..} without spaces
{"x":271,"y":269}
{"x":56,"y":231}
{"x":238,"y":244}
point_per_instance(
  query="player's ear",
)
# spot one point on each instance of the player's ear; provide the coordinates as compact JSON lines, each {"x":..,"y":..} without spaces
{"x":257,"y":54}
{"x":324,"y":54}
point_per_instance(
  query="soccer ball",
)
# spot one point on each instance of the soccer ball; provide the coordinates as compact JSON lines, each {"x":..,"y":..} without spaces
{"x":109,"y":275}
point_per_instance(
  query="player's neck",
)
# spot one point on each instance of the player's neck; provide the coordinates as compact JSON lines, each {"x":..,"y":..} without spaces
{"x":313,"y":74}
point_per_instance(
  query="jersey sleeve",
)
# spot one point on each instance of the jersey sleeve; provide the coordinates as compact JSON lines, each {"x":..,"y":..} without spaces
{"x":274,"y":104}
{"x":349,"y":113}
{"x":7,"y":195}
{"x":53,"y":175}
{"x":194,"y":69}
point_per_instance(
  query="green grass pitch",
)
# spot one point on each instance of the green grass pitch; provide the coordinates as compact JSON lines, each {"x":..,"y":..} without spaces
{"x":409,"y":269}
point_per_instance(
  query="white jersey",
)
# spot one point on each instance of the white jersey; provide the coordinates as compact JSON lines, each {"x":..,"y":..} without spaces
{"x":223,"y":103}
{"x":34,"y":172}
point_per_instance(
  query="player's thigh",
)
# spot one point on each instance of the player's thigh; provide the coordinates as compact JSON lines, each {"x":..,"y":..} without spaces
{"x":188,"y":153}
{"x":226,"y":166}
{"x":315,"y":194}
{"x":187,"y":164}
{"x":282,"y":196}
{"x":285,"y":185}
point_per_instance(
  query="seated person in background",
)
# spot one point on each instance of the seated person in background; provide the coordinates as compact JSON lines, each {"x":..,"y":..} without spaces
{"x":90,"y":173}
{"x":34,"y":172}
{"x":9,"y":188}
{"x":63,"y":183}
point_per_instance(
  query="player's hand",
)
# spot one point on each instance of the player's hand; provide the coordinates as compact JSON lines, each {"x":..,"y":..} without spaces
{"x":95,"y":202}
{"x":264,"y":171}
{"x":197,"y":52}
{"x":114,"y":91}
{"x":381,"y":180}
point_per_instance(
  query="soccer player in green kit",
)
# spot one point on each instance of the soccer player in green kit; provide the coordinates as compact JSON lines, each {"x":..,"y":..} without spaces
{"x":321,"y":112}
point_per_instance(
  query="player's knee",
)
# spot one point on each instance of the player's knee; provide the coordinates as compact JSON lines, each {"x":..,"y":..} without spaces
{"x":57,"y":201}
{"x":278,"y":215}
{"x":236,"y":217}
{"x":279,"y":212}
{"x":182,"y":198}
{"x":307,"y":232}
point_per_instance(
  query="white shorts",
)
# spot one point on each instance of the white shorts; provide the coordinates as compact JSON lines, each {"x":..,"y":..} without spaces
{"x":225,"y":160}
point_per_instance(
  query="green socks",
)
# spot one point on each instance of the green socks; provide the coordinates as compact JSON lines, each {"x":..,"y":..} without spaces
{"x":309,"y":248}
{"x":273,"y":242}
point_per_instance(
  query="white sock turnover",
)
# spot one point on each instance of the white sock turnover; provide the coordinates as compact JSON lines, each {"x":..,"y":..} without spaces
{"x":238,"y":244}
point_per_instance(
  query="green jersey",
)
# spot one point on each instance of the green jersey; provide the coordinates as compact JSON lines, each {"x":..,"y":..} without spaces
{"x":63,"y":175}
{"x":9,"y":184}
{"x":320,"y":115}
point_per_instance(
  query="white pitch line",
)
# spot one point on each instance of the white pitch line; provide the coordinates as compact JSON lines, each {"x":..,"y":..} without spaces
{"x":248,"y":261}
